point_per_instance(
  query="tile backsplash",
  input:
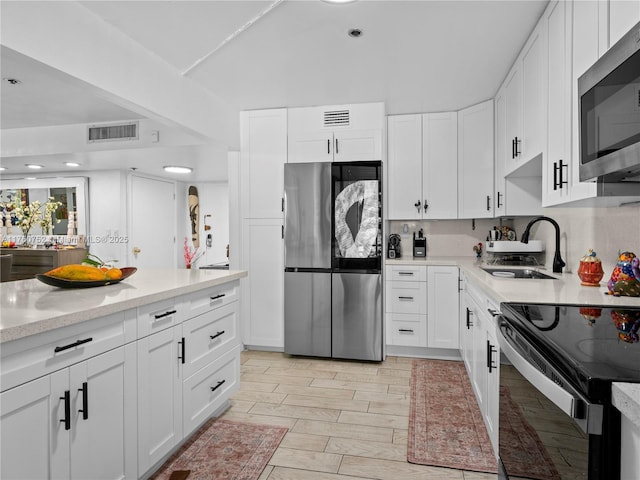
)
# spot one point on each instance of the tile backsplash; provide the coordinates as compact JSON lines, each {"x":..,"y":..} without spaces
{"x":606,"y":230}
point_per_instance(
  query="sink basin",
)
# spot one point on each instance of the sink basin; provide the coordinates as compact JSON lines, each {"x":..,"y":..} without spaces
{"x":517,"y":273}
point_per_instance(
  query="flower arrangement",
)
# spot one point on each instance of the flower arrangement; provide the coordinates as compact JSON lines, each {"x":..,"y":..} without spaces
{"x":190,"y":254}
{"x":27,"y":215}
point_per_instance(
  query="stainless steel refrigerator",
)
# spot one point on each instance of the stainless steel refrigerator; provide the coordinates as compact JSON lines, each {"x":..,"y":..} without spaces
{"x":333,"y":260}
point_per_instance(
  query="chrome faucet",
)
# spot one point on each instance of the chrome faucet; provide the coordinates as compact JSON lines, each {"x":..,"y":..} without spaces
{"x":558,"y":263}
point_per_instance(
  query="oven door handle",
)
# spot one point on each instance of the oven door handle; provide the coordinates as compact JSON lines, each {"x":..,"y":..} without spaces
{"x":587,"y":415}
{"x":558,"y":395}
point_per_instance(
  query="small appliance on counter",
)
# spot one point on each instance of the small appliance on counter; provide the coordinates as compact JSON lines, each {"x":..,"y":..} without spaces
{"x":419,"y":245}
{"x":393,"y":249}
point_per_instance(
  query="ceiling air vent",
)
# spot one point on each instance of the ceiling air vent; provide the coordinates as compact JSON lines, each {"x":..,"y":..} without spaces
{"x":112,"y":132}
{"x":336,"y":118}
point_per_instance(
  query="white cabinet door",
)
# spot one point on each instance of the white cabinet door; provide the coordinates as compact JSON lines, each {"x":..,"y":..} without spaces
{"x":534,"y":96}
{"x":263,"y":290}
{"x":404,"y":175}
{"x":556,"y":164}
{"x":440,"y":165}
{"x":500,"y":154}
{"x":103,"y":442}
{"x":263,"y":140}
{"x":623,"y":15}
{"x":313,"y":146}
{"x":475,"y":161}
{"x":159,"y":396}
{"x":442,"y":307}
{"x":357,"y":145}
{"x":31,"y":433}
{"x":467,"y":318}
{"x":513,"y":116}
{"x":493,"y":387}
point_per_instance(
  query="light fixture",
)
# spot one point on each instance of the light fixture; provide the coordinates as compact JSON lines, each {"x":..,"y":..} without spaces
{"x":33,"y":166}
{"x":72,"y":164}
{"x":29,"y":178}
{"x":177,"y":169}
{"x":355,"y":32}
{"x":11,"y":81}
{"x":2,"y":169}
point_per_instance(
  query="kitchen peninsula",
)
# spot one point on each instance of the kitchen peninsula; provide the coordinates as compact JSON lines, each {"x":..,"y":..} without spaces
{"x":114,"y":377}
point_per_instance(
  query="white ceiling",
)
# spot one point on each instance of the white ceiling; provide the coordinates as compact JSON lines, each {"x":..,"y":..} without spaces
{"x":416,"y":56}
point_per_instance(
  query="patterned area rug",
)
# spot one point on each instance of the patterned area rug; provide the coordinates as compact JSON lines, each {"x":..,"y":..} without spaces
{"x":446,"y":428}
{"x":224,"y":450}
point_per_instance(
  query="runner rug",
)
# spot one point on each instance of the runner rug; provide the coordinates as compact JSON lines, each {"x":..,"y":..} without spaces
{"x":446,"y":428}
{"x":223,"y":450}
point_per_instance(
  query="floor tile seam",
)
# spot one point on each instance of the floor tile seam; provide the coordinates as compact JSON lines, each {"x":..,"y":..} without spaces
{"x":300,"y":406}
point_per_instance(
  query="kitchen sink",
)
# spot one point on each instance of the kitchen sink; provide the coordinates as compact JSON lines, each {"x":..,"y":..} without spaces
{"x":517,"y":273}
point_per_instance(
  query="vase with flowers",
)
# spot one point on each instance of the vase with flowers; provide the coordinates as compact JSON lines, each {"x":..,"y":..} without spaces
{"x":50,"y":208}
{"x":190,"y":254}
{"x":26,"y":215}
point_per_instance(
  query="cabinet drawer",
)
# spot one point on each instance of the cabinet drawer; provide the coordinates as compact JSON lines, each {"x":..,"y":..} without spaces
{"x":31,"y":357}
{"x":407,"y":330}
{"x":406,"y":273}
{"x":208,"y":336}
{"x":157,"y":316}
{"x":209,"y":299}
{"x":209,"y":388}
{"x":406,"y":297}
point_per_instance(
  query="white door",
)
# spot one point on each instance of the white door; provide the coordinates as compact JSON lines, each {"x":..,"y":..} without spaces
{"x":152,"y":243}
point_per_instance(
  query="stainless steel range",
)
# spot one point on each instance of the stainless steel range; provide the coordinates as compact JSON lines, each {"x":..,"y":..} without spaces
{"x":564,"y":359}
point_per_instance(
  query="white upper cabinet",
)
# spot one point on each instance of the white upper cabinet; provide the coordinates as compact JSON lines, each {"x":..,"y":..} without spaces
{"x":422,"y":166}
{"x":440,"y":165}
{"x":263,"y":140}
{"x":524,"y":96}
{"x":339,"y":133}
{"x":623,"y":14}
{"x":475,"y":161}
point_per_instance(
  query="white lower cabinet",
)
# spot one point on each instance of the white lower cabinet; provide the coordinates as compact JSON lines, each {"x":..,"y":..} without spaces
{"x":481,"y":355}
{"x":92,"y":401}
{"x":421,"y":305}
{"x":74,"y":423}
{"x":159,"y":396}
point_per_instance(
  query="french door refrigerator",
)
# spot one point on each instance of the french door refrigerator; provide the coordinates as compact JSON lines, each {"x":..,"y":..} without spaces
{"x":333,"y":260}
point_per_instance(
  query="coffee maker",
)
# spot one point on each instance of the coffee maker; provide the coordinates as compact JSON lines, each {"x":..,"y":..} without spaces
{"x":393,"y":248}
{"x":419,"y":245}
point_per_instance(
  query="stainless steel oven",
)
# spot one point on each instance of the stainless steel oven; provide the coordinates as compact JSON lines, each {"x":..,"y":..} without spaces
{"x":558,"y":365}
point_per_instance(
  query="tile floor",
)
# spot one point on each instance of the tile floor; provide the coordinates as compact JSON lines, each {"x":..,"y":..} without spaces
{"x":346,"y":420}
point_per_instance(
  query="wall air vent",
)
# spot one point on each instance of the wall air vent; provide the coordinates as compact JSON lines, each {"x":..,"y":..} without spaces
{"x":336,"y":118}
{"x":112,"y":132}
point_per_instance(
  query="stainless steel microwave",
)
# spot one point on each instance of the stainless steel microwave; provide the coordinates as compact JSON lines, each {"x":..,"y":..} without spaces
{"x":609,"y":113}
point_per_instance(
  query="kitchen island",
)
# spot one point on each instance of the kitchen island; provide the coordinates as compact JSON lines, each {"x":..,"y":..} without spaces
{"x":114,"y":378}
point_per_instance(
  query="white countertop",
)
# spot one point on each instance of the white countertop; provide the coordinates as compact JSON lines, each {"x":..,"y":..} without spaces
{"x":565,"y":290}
{"x":626,"y":398}
{"x":29,"y":306}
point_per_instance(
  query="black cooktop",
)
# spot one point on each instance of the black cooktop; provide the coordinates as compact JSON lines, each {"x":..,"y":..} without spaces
{"x":592,"y":346}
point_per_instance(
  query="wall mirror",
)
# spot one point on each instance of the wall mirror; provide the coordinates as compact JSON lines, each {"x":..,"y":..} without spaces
{"x":70,"y":191}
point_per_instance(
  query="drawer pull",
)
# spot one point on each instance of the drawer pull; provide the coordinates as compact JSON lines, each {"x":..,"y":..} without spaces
{"x":405,"y":298}
{"x":182,"y":348}
{"x":165,"y":314}
{"x":85,"y":400}
{"x":213,"y":337}
{"x":493,"y":312}
{"x":405,"y":330}
{"x":67,"y":410}
{"x":218,"y":296}
{"x":406,"y":274}
{"x":213,"y":389}
{"x":71,"y":345}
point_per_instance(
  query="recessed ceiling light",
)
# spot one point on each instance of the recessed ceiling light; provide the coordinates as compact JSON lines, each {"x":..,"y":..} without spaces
{"x":177,"y":169}
{"x":33,"y":166}
{"x":11,"y":81}
{"x":72,"y":164}
{"x":355,"y":32}
{"x":29,"y":178}
{"x":2,"y":169}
